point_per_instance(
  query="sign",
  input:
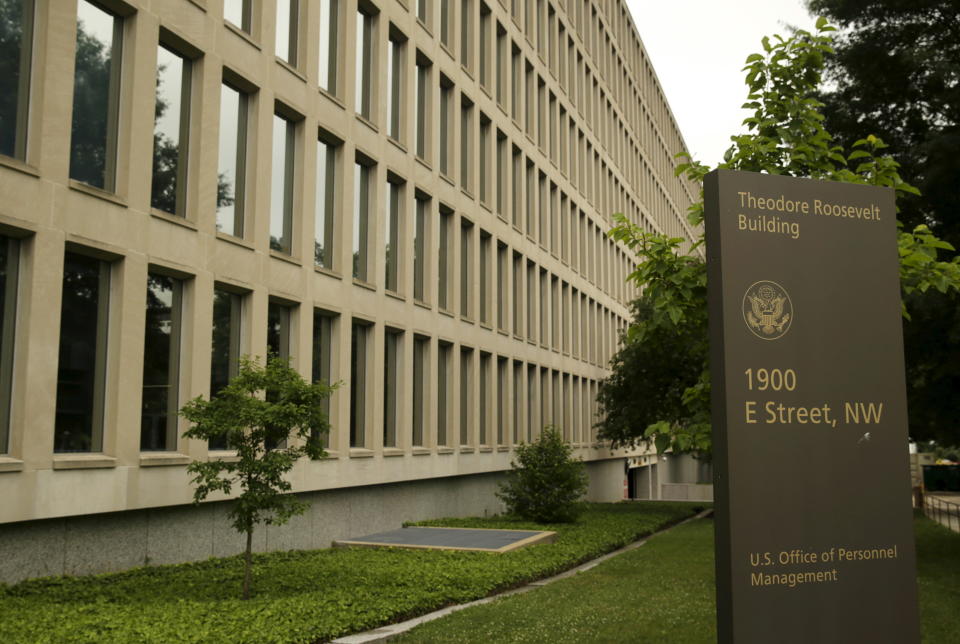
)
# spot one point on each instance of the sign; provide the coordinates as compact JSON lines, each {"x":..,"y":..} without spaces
{"x":814,"y":526}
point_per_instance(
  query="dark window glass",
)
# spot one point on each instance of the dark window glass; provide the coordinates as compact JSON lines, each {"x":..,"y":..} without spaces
{"x":225,"y":349}
{"x":161,"y":368}
{"x":171,"y":132}
{"x":358,"y":378}
{"x":16,"y":43}
{"x":278,"y":330}
{"x":281,"y":190}
{"x":322,"y":366}
{"x":96,"y":91}
{"x":323,"y":241}
{"x":81,"y":368}
{"x":231,"y":172}
{"x":9,"y":269}
{"x":390,"y":374}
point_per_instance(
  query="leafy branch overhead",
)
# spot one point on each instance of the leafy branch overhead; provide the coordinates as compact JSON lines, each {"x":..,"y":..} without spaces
{"x":785,"y":135}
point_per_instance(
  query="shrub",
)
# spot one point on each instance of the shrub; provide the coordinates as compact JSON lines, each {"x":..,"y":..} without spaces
{"x":546,"y":483}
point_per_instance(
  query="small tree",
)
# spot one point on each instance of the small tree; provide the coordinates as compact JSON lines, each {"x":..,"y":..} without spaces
{"x":272,"y":418}
{"x":546,"y":483}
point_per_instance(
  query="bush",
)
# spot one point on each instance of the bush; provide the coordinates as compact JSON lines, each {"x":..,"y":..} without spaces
{"x":545,"y":483}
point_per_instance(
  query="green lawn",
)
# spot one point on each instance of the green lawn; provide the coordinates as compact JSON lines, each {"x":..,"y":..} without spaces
{"x":306,"y":596}
{"x":664,"y":592}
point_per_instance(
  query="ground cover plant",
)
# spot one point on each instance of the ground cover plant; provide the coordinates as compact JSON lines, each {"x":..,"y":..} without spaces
{"x":307,"y":596}
{"x":664,"y":592}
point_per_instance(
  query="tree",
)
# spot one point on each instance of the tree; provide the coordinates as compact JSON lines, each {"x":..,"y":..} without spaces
{"x":546,"y":482}
{"x":896,"y":73}
{"x":786,"y":136}
{"x":272,"y":418}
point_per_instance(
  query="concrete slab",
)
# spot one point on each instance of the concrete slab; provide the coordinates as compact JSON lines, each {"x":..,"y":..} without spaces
{"x":478,"y":539}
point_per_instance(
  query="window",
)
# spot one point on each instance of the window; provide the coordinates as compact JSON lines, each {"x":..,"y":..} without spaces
{"x":288,"y":29}
{"x":421,"y":354}
{"x":17,"y":17}
{"x":392,"y":348}
{"x":466,"y":392}
{"x":231,"y":169}
{"x":225,"y":348}
{"x":531,"y":301}
{"x":329,"y":45}
{"x":503,"y":395}
{"x":364,"y":64}
{"x":484,"y":407}
{"x":324,"y":246}
{"x":531,"y":401}
{"x":517,"y":69}
{"x":361,"y":218}
{"x":531,"y":100}
{"x":466,"y":33}
{"x":240,"y":13}
{"x":393,"y":247}
{"x":485,"y":266}
{"x":446,"y":23}
{"x":322,"y":363}
{"x":466,"y":265}
{"x":544,"y":307}
{"x":517,"y":402}
{"x":420,"y":247}
{"x":423,"y":11}
{"x":446,"y":123}
{"x":396,"y":83}
{"x":161,"y":363}
{"x":96,"y":97}
{"x":517,"y":294}
{"x":486,"y":21}
{"x":484,"y":159}
{"x":82,"y":364}
{"x":503,"y":286}
{"x":171,"y":133}
{"x":279,"y":330}
{"x":466,"y":143}
{"x":423,"y":107}
{"x":531,"y":191}
{"x":281,"y":188}
{"x":444,"y":355}
{"x":502,"y":71}
{"x":444,"y":264}
{"x":501,"y":174}
{"x":9,"y":282}
{"x":517,"y":188}
{"x":359,"y":366}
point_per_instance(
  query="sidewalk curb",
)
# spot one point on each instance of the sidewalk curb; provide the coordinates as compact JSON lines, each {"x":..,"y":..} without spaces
{"x":385,"y":633}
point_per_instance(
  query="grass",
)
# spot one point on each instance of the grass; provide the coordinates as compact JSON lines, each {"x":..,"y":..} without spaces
{"x":664,"y":592}
{"x":306,"y":596}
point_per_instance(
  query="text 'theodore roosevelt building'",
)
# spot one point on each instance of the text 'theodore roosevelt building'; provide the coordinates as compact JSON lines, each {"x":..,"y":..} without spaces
{"x":407,"y":196}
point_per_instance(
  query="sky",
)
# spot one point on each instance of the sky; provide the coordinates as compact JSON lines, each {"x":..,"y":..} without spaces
{"x":697,"y":48}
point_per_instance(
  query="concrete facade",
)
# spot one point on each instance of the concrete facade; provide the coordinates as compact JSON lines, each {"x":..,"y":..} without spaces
{"x":494,"y":140}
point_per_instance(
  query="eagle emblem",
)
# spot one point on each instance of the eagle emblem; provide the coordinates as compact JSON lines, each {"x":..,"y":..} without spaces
{"x":767,"y":310}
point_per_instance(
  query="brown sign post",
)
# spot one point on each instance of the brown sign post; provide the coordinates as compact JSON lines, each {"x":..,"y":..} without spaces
{"x":814,"y":530}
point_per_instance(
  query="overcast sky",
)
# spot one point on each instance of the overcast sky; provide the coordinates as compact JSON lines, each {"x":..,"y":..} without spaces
{"x":697,"y":48}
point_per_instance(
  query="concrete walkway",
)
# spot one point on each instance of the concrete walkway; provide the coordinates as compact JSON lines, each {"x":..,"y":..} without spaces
{"x":384,"y":633}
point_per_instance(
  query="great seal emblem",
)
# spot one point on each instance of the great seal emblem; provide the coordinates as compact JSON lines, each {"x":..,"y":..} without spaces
{"x":767,"y":310}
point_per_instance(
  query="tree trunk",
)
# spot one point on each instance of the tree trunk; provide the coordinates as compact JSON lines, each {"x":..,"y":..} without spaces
{"x":247,"y":564}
